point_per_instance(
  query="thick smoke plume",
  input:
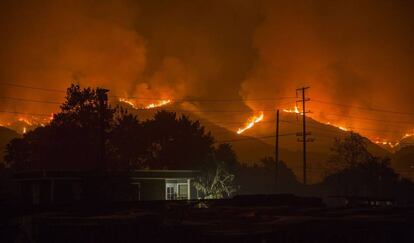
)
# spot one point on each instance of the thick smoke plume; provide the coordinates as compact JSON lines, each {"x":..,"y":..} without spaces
{"x":358,"y":53}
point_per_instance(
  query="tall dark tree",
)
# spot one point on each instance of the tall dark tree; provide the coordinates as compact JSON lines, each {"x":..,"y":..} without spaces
{"x":75,"y":139}
{"x":373,"y":178}
{"x":87,"y":134}
{"x":359,"y":173}
{"x":128,"y":142}
{"x":351,"y":150}
{"x":177,"y":142}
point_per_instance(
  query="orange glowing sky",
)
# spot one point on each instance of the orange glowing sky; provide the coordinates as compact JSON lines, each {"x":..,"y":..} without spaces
{"x":353,"y":55}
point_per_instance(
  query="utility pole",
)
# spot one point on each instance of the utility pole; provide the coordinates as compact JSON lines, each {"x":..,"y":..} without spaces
{"x":304,"y":134}
{"x":102,"y":103}
{"x":277,"y":152}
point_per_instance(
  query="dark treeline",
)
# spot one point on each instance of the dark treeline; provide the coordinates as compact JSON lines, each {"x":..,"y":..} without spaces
{"x":90,"y":135}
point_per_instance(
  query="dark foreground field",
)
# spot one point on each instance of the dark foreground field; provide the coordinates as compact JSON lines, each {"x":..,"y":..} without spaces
{"x":209,"y":221}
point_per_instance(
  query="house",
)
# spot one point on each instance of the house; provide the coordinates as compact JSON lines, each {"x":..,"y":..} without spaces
{"x":165,"y":184}
{"x":57,"y":187}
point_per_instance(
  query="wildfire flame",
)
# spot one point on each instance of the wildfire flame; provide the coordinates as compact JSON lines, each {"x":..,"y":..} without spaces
{"x":408,"y":135}
{"x":340,"y":127}
{"x":294,"y":110}
{"x":158,"y":104}
{"x":343,"y":128}
{"x":387,"y":143}
{"x":149,"y":106}
{"x":25,"y":120}
{"x":251,"y":122}
{"x":129,"y":102}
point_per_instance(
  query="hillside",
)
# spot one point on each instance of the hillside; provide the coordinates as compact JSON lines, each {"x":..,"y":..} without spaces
{"x":259,"y":141}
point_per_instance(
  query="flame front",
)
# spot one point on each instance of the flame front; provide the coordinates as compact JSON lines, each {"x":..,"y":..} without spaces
{"x":294,"y":110}
{"x":132,"y":103}
{"x":339,"y":127}
{"x":343,"y":128}
{"x":158,"y":104}
{"x":387,"y":143}
{"x":25,"y":120}
{"x":129,"y":102}
{"x":252,"y":121}
{"x":408,"y":135}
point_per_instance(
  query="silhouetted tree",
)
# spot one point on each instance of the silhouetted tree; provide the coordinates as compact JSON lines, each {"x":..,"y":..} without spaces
{"x":87,"y":134}
{"x":74,"y":138}
{"x":359,"y":173}
{"x":87,"y":126}
{"x":127,"y":142}
{"x":351,"y":150}
{"x":177,"y":142}
{"x":373,"y":178}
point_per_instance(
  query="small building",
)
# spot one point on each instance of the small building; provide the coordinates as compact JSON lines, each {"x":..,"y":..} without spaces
{"x":57,"y":187}
{"x":165,"y":184}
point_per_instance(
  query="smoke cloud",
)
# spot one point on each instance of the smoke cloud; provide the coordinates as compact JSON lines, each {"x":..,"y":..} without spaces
{"x":358,"y":53}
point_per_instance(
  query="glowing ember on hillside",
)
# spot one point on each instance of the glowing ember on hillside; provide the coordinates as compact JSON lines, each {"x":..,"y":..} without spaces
{"x":25,"y":120}
{"x":294,"y":110}
{"x":251,"y":122}
{"x":158,"y":104}
{"x":408,"y":135}
{"x":343,"y":128}
{"x":387,"y":143}
{"x":128,"y":101}
{"x":339,"y":127}
{"x":132,"y":103}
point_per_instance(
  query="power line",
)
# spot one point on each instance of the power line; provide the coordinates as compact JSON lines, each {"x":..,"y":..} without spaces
{"x":31,"y":87}
{"x":254,"y":138}
{"x":24,"y":113}
{"x":207,"y":100}
{"x":152,"y":98}
{"x":18,"y":85}
{"x":29,"y":100}
{"x":363,"y":108}
{"x":370,"y":119}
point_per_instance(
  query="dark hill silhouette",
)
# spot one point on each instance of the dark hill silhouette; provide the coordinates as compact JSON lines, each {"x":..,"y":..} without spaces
{"x":407,"y":141}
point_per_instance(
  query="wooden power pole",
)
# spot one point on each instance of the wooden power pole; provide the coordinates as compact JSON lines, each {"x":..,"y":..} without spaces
{"x":102,"y":103}
{"x":304,"y":134}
